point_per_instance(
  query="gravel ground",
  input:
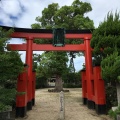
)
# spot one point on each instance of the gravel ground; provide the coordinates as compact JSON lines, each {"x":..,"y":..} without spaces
{"x":47,"y":107}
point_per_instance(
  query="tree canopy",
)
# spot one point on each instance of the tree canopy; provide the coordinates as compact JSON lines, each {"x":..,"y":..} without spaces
{"x":111,"y":67}
{"x":106,"y":44}
{"x":52,"y":63}
{"x":10,"y":67}
{"x":107,"y":36}
{"x":68,"y":17}
{"x":106,"y":53}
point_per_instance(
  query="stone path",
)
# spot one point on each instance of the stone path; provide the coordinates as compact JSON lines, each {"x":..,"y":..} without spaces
{"x":47,"y":107}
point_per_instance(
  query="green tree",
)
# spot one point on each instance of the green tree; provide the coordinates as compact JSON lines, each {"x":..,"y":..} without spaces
{"x":41,"y":78}
{"x":36,"y":60}
{"x":110,"y":73}
{"x":53,"y":64}
{"x":71,"y":80}
{"x":106,"y":37}
{"x":106,"y":44}
{"x":111,"y":67}
{"x":68,"y":17}
{"x":10,"y":67}
{"x":106,"y":40}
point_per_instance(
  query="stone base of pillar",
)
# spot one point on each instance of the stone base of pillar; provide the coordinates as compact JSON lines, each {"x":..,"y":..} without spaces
{"x":33,"y":102}
{"x":100,"y":109}
{"x":29,"y":105}
{"x":21,"y":111}
{"x":118,"y":117}
{"x":91,"y":104}
{"x":84,"y":101}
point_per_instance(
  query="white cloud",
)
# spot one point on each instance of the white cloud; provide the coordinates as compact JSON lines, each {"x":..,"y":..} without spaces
{"x":101,"y":8}
{"x":34,"y":9}
{"x":79,"y":62}
{"x":16,"y":41}
{"x":4,"y":18}
{"x":19,"y":41}
{"x":63,"y":2}
{"x":11,"y":7}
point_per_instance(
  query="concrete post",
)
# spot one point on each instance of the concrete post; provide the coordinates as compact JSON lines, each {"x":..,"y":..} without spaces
{"x":62,"y":106}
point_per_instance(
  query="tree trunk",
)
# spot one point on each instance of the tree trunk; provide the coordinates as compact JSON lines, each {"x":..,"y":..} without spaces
{"x":118,"y":92}
{"x":58,"y":84}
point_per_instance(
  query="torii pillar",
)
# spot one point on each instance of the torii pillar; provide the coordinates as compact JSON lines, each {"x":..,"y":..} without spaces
{"x":29,"y":53}
{"x":89,"y":72}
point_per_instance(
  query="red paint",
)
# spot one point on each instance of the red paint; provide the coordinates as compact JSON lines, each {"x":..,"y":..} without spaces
{"x":47,"y":47}
{"x":21,"y":100}
{"x":48,"y":35}
{"x":100,"y":98}
{"x":29,"y":53}
{"x":84,"y":85}
{"x":33,"y":85}
{"x":88,"y":63}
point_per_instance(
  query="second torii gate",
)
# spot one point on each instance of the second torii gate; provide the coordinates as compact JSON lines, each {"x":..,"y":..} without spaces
{"x":29,"y":47}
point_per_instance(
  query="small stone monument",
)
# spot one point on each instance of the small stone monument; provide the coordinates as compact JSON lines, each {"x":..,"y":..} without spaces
{"x":62,"y":106}
{"x":118,"y":117}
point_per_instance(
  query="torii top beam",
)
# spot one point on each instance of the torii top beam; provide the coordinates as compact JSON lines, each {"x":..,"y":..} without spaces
{"x":47,"y":33}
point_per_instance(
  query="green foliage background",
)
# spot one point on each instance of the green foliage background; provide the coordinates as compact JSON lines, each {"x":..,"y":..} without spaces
{"x":106,"y":44}
{"x":10,"y":67}
{"x":69,"y":17}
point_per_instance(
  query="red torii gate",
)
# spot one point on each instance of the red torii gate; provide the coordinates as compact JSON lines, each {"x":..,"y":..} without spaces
{"x":93,"y":91}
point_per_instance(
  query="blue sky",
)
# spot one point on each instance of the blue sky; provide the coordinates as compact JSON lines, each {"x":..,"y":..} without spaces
{"x":22,"y":13}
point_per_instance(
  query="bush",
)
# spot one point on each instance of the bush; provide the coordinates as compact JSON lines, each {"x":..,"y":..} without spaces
{"x":41,"y":82}
{"x":111,"y":97}
{"x":7,"y":98}
{"x":10,"y":67}
{"x":113,"y":114}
